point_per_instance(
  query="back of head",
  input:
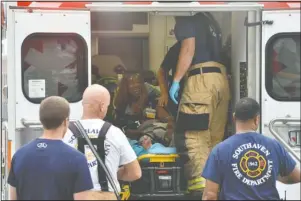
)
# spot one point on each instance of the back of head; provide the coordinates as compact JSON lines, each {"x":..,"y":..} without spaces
{"x":246,"y":109}
{"x":54,"y":110}
{"x":95,"y":91}
{"x":96,"y":99}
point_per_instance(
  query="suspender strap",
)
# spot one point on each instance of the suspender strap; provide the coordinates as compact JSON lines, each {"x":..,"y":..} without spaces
{"x":80,"y":140}
{"x":74,"y":130}
{"x":99,"y":142}
{"x":102,"y":154}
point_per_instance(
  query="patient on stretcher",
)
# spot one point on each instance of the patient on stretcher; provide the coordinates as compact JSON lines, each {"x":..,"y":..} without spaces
{"x":146,"y":145}
{"x":156,"y":138}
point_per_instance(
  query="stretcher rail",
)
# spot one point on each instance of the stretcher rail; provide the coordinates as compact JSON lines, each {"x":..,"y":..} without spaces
{"x":278,"y":137}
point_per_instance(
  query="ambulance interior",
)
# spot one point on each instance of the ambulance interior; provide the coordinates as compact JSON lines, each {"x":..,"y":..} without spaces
{"x":139,"y":41}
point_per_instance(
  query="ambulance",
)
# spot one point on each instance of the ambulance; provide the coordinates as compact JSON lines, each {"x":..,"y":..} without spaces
{"x":52,"y":46}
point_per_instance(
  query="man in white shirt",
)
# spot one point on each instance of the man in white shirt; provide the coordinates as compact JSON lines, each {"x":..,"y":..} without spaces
{"x":118,"y":151}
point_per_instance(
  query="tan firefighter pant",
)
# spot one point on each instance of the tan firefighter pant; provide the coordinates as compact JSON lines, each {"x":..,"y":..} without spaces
{"x":201,"y":119}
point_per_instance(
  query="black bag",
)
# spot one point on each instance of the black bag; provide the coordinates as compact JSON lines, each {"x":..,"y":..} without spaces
{"x":99,"y":142}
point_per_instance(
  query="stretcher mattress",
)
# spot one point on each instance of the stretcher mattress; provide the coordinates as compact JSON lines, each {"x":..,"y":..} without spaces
{"x":156,"y":148}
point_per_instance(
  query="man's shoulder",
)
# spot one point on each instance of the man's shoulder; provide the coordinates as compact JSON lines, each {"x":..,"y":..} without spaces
{"x":26,"y":147}
{"x":270,"y":141}
{"x":93,"y":126}
{"x":220,"y":146}
{"x":225,"y":146}
{"x":264,"y":139}
{"x":96,"y":125}
{"x":90,"y":125}
{"x":241,"y":138}
{"x":115,"y":132}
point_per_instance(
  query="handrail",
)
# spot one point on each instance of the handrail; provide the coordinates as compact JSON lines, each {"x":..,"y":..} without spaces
{"x":278,"y":137}
{"x":28,"y":123}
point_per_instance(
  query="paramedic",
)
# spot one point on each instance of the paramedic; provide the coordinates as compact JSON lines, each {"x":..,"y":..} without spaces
{"x":169,"y":64}
{"x":246,"y":165}
{"x":204,"y":101}
{"x":46,"y":168}
{"x":118,"y":151}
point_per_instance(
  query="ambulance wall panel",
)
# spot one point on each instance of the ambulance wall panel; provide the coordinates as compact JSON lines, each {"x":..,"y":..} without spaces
{"x":157,"y":41}
{"x":238,"y":51}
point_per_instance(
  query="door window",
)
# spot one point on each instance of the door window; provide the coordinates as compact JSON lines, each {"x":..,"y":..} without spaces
{"x":283,"y":67}
{"x":54,"y":65}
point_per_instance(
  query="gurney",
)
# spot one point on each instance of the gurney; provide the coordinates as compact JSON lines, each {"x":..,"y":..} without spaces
{"x":162,"y":178}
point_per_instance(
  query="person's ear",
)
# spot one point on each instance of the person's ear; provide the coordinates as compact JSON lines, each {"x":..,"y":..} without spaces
{"x":65,"y":126}
{"x":67,"y":123}
{"x":257,"y":120}
{"x":101,"y":107}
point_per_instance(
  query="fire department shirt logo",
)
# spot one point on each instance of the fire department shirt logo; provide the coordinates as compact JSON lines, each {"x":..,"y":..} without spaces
{"x":251,"y":164}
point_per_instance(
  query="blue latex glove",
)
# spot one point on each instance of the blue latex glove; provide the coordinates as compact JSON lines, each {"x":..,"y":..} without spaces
{"x":174,"y":91}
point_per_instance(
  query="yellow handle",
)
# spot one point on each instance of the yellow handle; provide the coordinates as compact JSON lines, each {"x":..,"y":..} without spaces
{"x":159,"y":158}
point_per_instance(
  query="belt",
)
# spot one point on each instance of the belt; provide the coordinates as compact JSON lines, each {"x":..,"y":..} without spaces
{"x":199,"y":71}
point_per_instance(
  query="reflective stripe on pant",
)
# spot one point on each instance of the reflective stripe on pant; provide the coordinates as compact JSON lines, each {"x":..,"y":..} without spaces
{"x":201,"y":120}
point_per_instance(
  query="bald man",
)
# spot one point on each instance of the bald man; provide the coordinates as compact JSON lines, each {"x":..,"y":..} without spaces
{"x":118,"y":151}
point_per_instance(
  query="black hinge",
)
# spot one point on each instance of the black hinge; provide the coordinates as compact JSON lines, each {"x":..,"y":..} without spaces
{"x":264,"y":22}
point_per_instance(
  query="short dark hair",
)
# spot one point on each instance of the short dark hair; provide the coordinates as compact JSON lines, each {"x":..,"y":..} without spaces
{"x":246,"y":109}
{"x":53,"y":111}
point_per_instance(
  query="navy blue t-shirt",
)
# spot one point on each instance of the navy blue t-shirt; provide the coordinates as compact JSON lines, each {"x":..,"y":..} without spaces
{"x":246,"y":167}
{"x":200,"y":28}
{"x":49,"y":170}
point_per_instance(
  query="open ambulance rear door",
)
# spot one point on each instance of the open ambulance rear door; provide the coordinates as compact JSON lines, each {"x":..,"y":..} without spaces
{"x":280,"y":91}
{"x":49,"y":55}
